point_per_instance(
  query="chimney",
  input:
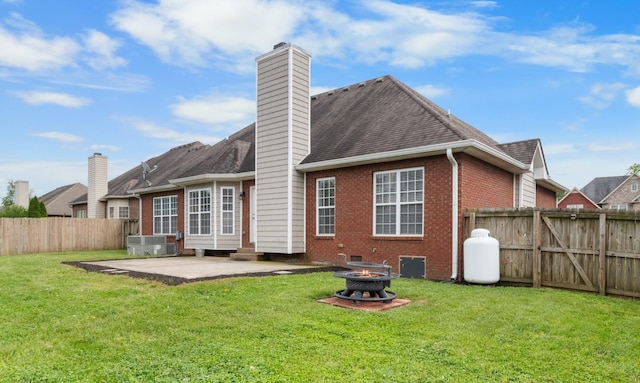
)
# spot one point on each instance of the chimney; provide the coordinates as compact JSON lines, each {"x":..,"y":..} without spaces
{"x":21,"y":194}
{"x":98,"y":186}
{"x":282,"y":141}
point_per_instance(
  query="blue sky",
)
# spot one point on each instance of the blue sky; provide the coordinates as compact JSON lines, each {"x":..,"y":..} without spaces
{"x":132,"y":79}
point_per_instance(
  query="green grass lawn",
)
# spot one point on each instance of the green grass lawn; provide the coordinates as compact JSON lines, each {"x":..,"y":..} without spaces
{"x":63,"y":324}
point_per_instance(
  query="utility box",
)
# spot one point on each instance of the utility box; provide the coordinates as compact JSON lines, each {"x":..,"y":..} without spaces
{"x":413,"y":267}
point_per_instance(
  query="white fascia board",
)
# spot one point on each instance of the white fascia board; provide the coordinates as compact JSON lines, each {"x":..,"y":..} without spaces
{"x":200,"y":178}
{"x":152,"y":189}
{"x":472,"y":147}
{"x":550,"y":184}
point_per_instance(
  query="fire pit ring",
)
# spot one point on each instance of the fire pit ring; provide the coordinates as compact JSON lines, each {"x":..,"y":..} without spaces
{"x":367,"y":284}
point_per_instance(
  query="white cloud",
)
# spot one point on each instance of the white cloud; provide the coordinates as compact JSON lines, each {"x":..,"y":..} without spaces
{"x":214,"y":109}
{"x":432,"y":91}
{"x":560,"y":148}
{"x":602,"y":95}
{"x":172,"y":136}
{"x":60,"y":99}
{"x":633,"y":96}
{"x":189,"y":32}
{"x":28,"y":49}
{"x":611,"y":147}
{"x":64,"y":137}
{"x":102,"y":49}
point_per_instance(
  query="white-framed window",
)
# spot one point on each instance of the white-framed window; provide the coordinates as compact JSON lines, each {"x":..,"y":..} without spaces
{"x":81,"y":214}
{"x":575,"y":206}
{"x":634,"y":187}
{"x":618,"y":207}
{"x":227,"y":204}
{"x":123,"y":212}
{"x":165,"y":215}
{"x":199,"y":211}
{"x":326,"y":206}
{"x":398,"y":199}
{"x":112,"y":212}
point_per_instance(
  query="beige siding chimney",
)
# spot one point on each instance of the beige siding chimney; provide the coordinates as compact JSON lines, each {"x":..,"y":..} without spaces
{"x":282,"y":141}
{"x":21,"y":194}
{"x":98,"y":186}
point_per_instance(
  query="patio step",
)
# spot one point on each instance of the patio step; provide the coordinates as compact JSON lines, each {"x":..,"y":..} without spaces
{"x":246,"y":254}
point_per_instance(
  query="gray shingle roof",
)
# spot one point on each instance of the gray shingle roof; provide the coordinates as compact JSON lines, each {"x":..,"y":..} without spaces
{"x":377,"y":116}
{"x":374,"y":116}
{"x":522,"y":151}
{"x":600,"y":187}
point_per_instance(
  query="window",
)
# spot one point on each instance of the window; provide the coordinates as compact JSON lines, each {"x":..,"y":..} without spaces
{"x":81,"y":214}
{"x":227,"y":204}
{"x":123,"y":212}
{"x":634,"y":187}
{"x":165,"y":215}
{"x":398,"y":197}
{"x":618,"y":207}
{"x":112,"y":212}
{"x":200,"y":211}
{"x":575,"y":206}
{"x":326,"y":206}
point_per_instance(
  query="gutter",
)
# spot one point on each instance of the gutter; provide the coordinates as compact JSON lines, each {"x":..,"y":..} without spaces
{"x":454,"y":215}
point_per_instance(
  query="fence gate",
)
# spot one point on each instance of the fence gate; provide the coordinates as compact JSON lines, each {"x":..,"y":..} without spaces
{"x":568,"y":257}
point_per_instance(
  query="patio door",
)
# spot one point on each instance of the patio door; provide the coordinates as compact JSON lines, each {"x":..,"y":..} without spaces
{"x":253,"y":227}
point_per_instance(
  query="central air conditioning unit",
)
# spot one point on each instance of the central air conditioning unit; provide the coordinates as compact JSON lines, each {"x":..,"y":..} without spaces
{"x":144,"y":245}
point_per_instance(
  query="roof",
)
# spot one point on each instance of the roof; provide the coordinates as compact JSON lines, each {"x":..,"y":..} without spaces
{"x":350,"y":121}
{"x":522,"y":151}
{"x":375,"y":116}
{"x":57,"y":201}
{"x":600,"y":187}
{"x":574,"y":192}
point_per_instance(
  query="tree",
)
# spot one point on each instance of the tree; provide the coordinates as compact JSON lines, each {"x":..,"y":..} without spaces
{"x":634,"y":169}
{"x":14,"y":211}
{"x":35,"y":210}
{"x":7,"y":200}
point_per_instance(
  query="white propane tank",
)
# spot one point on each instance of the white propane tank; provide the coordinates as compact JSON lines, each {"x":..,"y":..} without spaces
{"x":481,"y":258}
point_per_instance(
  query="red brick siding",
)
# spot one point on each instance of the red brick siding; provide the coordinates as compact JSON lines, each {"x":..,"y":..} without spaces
{"x":246,"y":209}
{"x":354,"y":218}
{"x":576,"y":199}
{"x":545,"y":198}
{"x":482,"y":184}
{"x":147,"y":217}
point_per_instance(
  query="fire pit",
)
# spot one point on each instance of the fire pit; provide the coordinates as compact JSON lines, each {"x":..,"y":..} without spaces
{"x":367,"y":282}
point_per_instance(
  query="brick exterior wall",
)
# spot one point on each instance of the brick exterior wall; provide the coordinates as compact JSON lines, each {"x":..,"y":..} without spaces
{"x":545,"y":198}
{"x":147,"y":218}
{"x":576,"y":199}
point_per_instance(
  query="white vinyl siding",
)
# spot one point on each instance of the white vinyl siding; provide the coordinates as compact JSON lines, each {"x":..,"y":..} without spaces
{"x":326,"y":206}
{"x":165,"y":215}
{"x":399,"y":207}
{"x":199,"y":205}
{"x":227,"y":207}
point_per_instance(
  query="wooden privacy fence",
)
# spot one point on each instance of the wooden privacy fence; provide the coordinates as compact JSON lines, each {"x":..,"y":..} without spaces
{"x":589,"y":250}
{"x":55,"y":234}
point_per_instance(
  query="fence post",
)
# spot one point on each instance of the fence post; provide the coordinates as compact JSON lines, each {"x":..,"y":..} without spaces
{"x":536,"y":243}
{"x":602,"y":272}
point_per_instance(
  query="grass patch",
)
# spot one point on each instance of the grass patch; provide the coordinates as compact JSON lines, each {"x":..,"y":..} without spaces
{"x":62,"y":324}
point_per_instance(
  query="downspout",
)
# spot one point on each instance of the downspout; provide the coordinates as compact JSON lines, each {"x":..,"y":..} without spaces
{"x":454,"y":215}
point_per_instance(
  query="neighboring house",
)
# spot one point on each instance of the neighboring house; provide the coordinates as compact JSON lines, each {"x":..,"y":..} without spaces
{"x":58,"y":201}
{"x":576,"y":199}
{"x":372,"y":170}
{"x":617,"y":193}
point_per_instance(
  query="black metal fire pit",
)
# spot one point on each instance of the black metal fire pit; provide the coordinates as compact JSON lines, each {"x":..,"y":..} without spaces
{"x":367,"y":282}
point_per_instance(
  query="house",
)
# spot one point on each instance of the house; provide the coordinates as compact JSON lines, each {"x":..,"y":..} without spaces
{"x":58,"y":200}
{"x":576,"y":199}
{"x":373,"y":170}
{"x":617,"y":192}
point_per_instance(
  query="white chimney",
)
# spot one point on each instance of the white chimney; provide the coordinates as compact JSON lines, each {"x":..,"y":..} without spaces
{"x":98,"y":186}
{"x":21,"y":194}
{"x":282,"y":141}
